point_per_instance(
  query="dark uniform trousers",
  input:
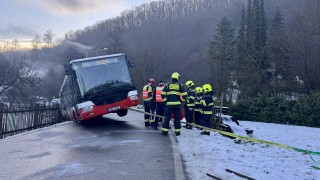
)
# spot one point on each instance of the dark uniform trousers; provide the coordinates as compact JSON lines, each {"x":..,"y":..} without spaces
{"x":197,"y":118}
{"x":167,"y":115}
{"x":189,"y":115}
{"x":207,"y":120}
{"x":160,"y":109}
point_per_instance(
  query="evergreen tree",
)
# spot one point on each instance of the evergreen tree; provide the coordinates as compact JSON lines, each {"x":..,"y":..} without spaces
{"x":259,"y":35}
{"x":261,"y":48}
{"x":256,"y":63}
{"x":249,"y":27}
{"x":222,"y":51}
{"x":279,"y":54}
{"x":241,"y":41}
{"x":262,"y":25}
{"x":241,"y":70}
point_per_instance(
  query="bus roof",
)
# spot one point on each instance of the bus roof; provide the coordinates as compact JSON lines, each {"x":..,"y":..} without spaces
{"x":96,"y":57}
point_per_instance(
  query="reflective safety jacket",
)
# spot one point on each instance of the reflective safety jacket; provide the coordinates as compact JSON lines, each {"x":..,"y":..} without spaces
{"x":159,"y":90}
{"x":147,"y":93}
{"x":197,"y":103}
{"x":171,"y":92}
{"x":207,"y":104}
{"x":191,"y":97}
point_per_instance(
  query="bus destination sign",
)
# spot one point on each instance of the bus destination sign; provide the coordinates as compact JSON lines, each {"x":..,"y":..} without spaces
{"x":99,"y":62}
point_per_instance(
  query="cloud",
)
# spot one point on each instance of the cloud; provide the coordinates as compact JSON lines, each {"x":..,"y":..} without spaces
{"x":8,"y":31}
{"x":79,"y":7}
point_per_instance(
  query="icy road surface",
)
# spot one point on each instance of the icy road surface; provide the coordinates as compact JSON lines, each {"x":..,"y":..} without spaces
{"x":110,"y":148}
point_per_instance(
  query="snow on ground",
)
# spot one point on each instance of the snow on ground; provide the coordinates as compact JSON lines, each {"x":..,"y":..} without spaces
{"x":216,"y":153}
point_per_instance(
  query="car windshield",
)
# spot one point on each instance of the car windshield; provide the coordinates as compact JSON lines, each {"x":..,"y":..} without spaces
{"x":96,"y":75}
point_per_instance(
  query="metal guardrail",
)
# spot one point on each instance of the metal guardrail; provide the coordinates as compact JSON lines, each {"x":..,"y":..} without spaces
{"x":20,"y":119}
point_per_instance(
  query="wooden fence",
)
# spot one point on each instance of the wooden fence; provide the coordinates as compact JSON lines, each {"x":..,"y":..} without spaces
{"x":20,"y":119}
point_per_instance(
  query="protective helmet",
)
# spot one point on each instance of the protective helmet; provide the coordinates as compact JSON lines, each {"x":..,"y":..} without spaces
{"x":199,"y":89}
{"x":175,"y":75}
{"x":207,"y":88}
{"x":189,"y":83}
{"x":152,"y":81}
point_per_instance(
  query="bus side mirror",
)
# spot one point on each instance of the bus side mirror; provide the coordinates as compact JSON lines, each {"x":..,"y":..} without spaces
{"x":130,"y":61}
{"x":67,"y":69}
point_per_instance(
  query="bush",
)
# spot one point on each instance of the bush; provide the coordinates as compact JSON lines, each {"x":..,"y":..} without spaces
{"x":305,"y":111}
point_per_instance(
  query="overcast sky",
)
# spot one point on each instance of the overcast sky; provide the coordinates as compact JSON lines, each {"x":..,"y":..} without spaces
{"x":21,"y":19}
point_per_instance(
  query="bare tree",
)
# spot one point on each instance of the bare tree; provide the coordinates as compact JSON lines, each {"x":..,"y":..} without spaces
{"x":15,"y":45}
{"x":16,"y":73}
{"x":36,"y":41}
{"x":48,"y":38}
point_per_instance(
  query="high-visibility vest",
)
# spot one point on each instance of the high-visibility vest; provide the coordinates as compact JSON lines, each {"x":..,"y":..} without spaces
{"x":145,"y":93}
{"x":158,"y":94}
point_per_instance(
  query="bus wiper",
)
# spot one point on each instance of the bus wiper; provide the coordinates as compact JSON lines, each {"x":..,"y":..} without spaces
{"x":107,"y":88}
{"x":98,"y":92}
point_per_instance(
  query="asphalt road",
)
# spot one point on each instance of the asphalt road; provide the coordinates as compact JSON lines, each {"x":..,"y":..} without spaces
{"x":107,"y":148}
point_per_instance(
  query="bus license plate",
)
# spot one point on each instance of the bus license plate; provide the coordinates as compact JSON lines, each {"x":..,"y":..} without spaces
{"x":114,"y":108}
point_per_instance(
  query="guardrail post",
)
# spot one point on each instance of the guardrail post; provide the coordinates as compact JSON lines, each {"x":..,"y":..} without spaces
{"x":36,"y":116}
{"x":1,"y":114}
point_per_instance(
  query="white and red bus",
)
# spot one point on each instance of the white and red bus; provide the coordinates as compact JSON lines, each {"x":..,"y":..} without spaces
{"x":96,"y":86}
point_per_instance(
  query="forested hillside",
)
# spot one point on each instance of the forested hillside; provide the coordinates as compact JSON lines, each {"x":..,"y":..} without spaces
{"x":162,"y":37}
{"x":167,"y":36}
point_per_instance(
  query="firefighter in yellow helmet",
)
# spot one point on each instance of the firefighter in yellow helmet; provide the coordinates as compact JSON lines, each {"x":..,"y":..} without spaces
{"x":189,"y":104}
{"x":207,"y":108}
{"x":171,"y":92}
{"x":197,"y":108}
{"x":176,"y":74}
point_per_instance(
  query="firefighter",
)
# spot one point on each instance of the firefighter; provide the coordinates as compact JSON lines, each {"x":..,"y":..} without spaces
{"x":171,"y":92}
{"x":189,"y":105}
{"x":197,"y":109}
{"x":147,"y":96}
{"x":207,"y":108}
{"x":160,"y":104}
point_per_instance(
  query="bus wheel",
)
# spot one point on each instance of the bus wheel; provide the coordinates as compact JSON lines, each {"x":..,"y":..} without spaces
{"x":122,"y":112}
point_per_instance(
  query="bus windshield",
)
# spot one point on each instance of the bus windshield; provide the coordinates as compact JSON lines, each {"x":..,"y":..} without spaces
{"x":104,"y":75}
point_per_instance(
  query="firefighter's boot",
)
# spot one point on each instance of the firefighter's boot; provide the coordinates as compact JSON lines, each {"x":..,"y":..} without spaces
{"x":147,"y":124}
{"x":164,"y":133}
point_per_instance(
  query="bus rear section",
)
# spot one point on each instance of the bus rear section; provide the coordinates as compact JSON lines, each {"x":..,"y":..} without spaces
{"x":97,"y":86}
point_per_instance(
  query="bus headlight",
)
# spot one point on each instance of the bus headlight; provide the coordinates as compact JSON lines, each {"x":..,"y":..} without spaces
{"x":87,"y":109}
{"x":133,"y":97}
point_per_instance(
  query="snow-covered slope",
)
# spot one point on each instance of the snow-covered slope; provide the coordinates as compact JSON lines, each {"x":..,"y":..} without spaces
{"x":213,"y":154}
